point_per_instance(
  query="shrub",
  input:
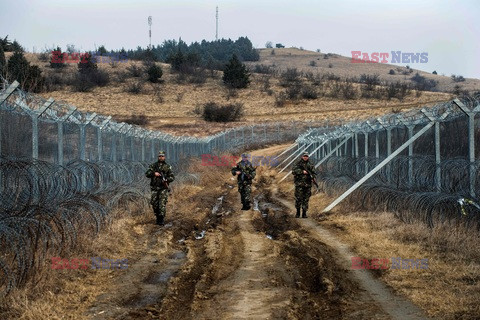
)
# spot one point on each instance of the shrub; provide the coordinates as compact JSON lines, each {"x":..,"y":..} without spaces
{"x":434,"y":72}
{"x":122,"y":76}
{"x":235,"y":74}
{"x":313,"y":63}
{"x":370,"y":80}
{"x":309,"y":92}
{"x":213,"y":112}
{"x":457,"y":90}
{"x":457,"y":78}
{"x":54,"y":81}
{"x":81,"y":82}
{"x":199,"y":76}
{"x":135,"y":71}
{"x":391,"y":91}
{"x":293,"y":91}
{"x":154,"y":73}
{"x":331,"y":76}
{"x":330,"y":65}
{"x":99,"y":77}
{"x":290,"y":76}
{"x":134,"y":87}
{"x":422,"y":83}
{"x":391,"y":71}
{"x":263,"y":69}
{"x":348,"y":90}
{"x":139,"y":120}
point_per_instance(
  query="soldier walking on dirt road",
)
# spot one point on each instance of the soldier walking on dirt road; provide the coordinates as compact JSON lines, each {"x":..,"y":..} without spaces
{"x":245,"y":173}
{"x":161,"y":175}
{"x":303,"y":172}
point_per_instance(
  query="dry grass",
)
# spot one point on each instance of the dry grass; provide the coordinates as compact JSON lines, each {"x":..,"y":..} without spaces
{"x":343,"y":67}
{"x":449,"y":288}
{"x":68,"y":294}
{"x":65,"y":294}
{"x":170,"y":106}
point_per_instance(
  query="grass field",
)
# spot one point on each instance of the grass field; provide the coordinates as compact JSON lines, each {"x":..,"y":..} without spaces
{"x":170,"y":106}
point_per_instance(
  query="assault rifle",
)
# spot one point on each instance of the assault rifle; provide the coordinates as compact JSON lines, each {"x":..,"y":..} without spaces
{"x":314,"y":180}
{"x":164,"y":180}
{"x":243,"y":176}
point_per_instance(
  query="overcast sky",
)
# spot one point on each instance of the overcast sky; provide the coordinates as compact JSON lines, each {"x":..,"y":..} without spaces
{"x":449,"y":31}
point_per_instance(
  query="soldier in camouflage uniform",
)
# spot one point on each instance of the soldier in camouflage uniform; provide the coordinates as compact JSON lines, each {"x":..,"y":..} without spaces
{"x":245,"y":173}
{"x":303,"y":172}
{"x":161,"y":175}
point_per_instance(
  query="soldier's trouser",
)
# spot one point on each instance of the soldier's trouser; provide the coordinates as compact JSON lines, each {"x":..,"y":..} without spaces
{"x":302,"y":196}
{"x":159,"y":202}
{"x":245,"y":193}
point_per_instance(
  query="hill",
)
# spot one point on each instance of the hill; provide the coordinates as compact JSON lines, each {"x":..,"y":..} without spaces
{"x":173,"y":105}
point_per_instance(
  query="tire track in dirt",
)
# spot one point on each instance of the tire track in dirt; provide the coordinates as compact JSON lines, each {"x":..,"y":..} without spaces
{"x":396,"y":306}
{"x":263,"y":266}
{"x":145,"y":283}
{"x":249,"y":292}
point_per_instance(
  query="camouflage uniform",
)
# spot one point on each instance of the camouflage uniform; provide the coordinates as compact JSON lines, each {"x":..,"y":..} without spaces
{"x":245,"y":181}
{"x":303,"y":184}
{"x":159,"y":190}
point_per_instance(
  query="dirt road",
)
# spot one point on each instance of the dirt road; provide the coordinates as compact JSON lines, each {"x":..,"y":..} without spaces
{"x":256,"y":264}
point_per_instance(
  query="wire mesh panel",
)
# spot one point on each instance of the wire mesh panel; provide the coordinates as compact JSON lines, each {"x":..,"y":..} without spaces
{"x":424,"y":164}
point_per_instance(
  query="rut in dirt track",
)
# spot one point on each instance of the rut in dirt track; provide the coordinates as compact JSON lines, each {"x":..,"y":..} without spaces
{"x":262,"y":266}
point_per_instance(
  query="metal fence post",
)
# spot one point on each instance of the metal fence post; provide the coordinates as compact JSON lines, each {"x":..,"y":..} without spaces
{"x":471,"y":142}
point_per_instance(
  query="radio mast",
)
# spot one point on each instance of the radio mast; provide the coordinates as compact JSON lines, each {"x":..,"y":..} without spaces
{"x":150,"y":31}
{"x":216,"y":32}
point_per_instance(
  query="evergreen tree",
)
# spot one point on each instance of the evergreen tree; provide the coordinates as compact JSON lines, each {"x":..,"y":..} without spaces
{"x":154,"y":73}
{"x":29,"y":77}
{"x":236,"y":74}
{"x":17,"y":68}
{"x":102,"y":51}
{"x":16,"y":46}
{"x":6,"y":44}
{"x":3,"y":62}
{"x":176,"y":60}
{"x":86,"y":65}
{"x":57,"y":58}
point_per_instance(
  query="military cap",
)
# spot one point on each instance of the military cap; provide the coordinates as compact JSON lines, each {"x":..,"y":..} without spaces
{"x":305,"y":154}
{"x":161,"y":153}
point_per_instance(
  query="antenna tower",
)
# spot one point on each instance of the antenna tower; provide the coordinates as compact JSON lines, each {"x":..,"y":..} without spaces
{"x":150,"y":31}
{"x":216,"y":32}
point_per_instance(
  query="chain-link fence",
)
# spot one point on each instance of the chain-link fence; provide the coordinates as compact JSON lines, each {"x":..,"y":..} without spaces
{"x":62,"y":171}
{"x":421,"y":164}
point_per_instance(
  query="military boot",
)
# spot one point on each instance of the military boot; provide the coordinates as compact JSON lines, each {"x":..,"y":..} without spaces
{"x":304,"y":213}
{"x":160,"y":220}
{"x":298,"y":213}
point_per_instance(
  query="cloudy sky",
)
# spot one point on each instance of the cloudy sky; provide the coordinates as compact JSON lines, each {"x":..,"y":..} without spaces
{"x":449,"y":31}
